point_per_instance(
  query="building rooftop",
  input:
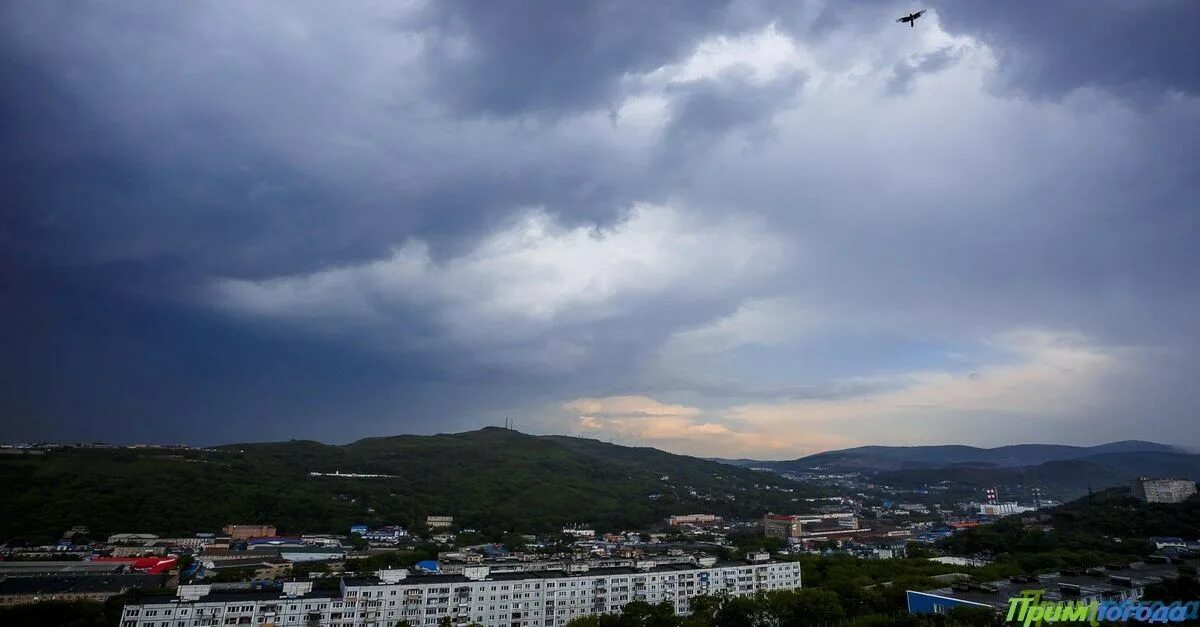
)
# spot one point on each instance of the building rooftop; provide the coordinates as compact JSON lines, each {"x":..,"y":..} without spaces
{"x":1065,"y":585}
{"x":419,"y":578}
{"x":81,"y":584}
{"x":241,"y":595}
{"x":258,"y":560}
{"x":23,"y":568}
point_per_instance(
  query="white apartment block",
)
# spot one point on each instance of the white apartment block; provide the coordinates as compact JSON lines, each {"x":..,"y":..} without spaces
{"x":540,"y":599}
{"x":1163,"y":490}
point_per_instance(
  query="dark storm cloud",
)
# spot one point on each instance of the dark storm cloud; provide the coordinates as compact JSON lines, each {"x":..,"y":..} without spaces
{"x":228,"y":222}
{"x":532,"y":57}
{"x":1051,"y":48}
{"x":230,"y":147}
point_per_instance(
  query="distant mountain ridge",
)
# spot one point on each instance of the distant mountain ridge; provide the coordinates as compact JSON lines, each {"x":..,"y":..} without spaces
{"x":1061,"y":471}
{"x":890,"y":458}
{"x":1067,"y":478}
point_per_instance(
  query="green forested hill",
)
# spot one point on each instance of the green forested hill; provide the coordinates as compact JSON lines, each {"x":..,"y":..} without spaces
{"x":491,"y":479}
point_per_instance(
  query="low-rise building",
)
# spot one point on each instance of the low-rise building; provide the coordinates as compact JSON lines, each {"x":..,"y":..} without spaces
{"x":537,"y":599}
{"x":1126,"y":583}
{"x":131,"y":538}
{"x":258,"y":567}
{"x":390,"y":534}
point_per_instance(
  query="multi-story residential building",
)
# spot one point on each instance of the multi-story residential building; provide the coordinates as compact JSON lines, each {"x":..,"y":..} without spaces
{"x":694,"y":519}
{"x":245,"y":532}
{"x":439,"y":522}
{"x":1003,"y":509}
{"x":1163,"y":490}
{"x":538,"y":599}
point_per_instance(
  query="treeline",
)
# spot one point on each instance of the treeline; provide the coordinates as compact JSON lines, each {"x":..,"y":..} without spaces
{"x":1115,"y":513}
{"x":1015,"y":547}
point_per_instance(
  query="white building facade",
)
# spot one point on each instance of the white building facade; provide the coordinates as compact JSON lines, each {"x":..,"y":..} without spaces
{"x":542,"y":599}
{"x":1163,"y":490}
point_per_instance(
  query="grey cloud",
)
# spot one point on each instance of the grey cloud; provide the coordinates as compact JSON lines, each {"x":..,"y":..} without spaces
{"x":711,"y":108}
{"x":549,"y":56}
{"x":927,"y":63}
{"x":1051,"y":48}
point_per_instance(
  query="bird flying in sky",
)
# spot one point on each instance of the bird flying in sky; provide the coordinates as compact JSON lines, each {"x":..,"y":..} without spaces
{"x":911,"y":18}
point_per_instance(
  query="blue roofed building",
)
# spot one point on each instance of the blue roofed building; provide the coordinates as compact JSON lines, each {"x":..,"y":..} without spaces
{"x":1117,"y":582}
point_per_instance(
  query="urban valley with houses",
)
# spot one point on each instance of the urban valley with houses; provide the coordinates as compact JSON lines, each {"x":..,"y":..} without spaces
{"x":844,"y":537}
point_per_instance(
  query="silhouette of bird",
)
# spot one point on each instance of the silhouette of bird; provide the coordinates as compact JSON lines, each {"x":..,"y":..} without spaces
{"x":911,"y":18}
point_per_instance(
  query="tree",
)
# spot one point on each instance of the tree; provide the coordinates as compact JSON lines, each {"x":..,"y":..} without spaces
{"x":642,"y":614}
{"x":812,"y":605}
{"x":742,"y":612}
{"x":704,"y":610}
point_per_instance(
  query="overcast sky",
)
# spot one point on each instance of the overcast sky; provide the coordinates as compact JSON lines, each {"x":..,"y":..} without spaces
{"x":755,"y":229}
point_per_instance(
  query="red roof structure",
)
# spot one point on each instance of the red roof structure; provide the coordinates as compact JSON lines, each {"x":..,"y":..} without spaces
{"x":148,"y":565}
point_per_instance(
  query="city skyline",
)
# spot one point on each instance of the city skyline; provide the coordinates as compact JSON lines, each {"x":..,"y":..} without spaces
{"x":755,"y":229}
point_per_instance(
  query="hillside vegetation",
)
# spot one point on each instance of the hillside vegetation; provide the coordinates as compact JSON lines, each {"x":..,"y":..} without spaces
{"x":492,"y":479}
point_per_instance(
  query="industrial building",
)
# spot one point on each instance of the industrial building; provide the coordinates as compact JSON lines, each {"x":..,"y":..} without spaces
{"x":528,"y":599}
{"x":792,"y":527}
{"x":1163,"y":490}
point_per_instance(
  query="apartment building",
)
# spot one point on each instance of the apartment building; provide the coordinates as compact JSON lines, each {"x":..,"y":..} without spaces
{"x":245,"y":532}
{"x":694,"y":519}
{"x":439,"y":522}
{"x":1163,"y":490}
{"x":538,"y":599}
